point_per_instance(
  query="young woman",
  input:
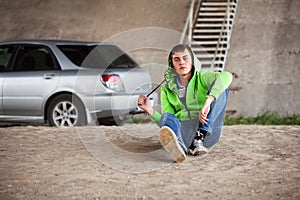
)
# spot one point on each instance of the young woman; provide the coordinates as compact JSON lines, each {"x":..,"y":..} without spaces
{"x":193,"y":105}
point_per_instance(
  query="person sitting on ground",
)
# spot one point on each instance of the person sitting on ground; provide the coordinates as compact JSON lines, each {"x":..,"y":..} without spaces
{"x":193,"y":104}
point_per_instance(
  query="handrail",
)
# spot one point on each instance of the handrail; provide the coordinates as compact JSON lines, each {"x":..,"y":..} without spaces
{"x":227,"y":32}
{"x":223,"y":41}
{"x":189,"y":22}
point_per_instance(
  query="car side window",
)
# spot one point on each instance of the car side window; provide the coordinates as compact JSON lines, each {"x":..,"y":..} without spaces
{"x":34,"y":58}
{"x":6,"y":53}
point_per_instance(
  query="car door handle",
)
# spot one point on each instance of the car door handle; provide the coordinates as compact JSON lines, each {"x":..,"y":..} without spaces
{"x":49,"y":76}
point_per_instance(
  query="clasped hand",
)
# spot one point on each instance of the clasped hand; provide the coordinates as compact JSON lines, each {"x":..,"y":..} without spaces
{"x":204,"y":111}
{"x":145,"y":104}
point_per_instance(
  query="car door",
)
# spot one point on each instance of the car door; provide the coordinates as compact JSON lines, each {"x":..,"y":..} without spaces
{"x":6,"y":55}
{"x":1,"y":102}
{"x":33,"y":76}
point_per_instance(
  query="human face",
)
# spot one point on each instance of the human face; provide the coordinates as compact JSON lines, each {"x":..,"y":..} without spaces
{"x":182,"y":62}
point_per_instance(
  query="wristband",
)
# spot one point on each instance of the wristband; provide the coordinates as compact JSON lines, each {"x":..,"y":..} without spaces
{"x":211,"y":97}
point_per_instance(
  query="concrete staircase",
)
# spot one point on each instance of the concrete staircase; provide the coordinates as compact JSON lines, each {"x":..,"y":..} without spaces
{"x":211,"y":31}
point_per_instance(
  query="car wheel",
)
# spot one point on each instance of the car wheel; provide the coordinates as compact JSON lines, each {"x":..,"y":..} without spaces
{"x":65,"y":110}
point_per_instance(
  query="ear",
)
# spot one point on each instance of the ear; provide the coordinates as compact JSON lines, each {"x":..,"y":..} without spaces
{"x":191,"y":53}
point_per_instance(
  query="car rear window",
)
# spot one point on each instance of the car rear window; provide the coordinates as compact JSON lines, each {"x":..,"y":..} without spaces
{"x":97,"y":56}
{"x":5,"y":56}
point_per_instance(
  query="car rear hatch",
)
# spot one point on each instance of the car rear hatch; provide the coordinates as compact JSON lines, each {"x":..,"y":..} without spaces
{"x":119,"y":71}
{"x":117,"y":78}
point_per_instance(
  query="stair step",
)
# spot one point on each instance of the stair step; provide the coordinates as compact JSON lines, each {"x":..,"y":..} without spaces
{"x":208,"y":36}
{"x":210,"y":55}
{"x":212,"y":14}
{"x":205,"y":49}
{"x":211,"y":19}
{"x":211,"y":62}
{"x":215,"y":14}
{"x":220,"y":1}
{"x":211,"y":59}
{"x":218,"y":4}
{"x":208,"y":67}
{"x":214,"y":20}
{"x":217,"y":9}
{"x":211,"y":25}
{"x":213,"y":9}
{"x":210,"y":31}
{"x":208,"y":42}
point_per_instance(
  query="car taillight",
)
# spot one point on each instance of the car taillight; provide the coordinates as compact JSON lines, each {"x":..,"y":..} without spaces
{"x":113,"y":82}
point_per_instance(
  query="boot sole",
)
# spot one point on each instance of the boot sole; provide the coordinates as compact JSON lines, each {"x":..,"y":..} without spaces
{"x":169,"y":141}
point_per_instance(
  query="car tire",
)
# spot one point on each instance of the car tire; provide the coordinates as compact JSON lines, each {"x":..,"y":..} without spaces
{"x":66,"y":110}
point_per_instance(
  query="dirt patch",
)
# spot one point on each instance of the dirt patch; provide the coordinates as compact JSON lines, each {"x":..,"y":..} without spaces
{"x":249,"y":162}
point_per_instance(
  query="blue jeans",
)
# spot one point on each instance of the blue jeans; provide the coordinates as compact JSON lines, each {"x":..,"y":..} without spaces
{"x":185,"y":130}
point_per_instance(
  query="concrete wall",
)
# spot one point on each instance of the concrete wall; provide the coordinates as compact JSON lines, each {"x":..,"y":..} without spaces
{"x":264,"y":46}
{"x":265,"y":49}
{"x":124,"y":22}
{"x":88,"y":19}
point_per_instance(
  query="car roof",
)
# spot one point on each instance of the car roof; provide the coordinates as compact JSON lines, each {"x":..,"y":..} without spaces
{"x":52,"y":42}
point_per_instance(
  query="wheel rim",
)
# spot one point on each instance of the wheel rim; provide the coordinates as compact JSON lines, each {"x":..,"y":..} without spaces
{"x":65,"y":114}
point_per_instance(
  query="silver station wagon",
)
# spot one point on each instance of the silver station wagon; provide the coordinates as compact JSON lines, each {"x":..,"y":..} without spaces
{"x":68,"y":83}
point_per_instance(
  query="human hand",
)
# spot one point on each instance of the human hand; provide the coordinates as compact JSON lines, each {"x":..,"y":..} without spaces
{"x":205,"y":110}
{"x":145,"y":104}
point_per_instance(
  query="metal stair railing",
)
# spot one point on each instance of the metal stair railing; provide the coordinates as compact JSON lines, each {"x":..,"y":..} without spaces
{"x":189,"y":22}
{"x":225,"y":31}
{"x":208,"y":31}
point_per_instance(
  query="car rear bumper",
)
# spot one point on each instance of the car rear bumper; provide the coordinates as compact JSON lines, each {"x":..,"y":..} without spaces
{"x":110,"y":105}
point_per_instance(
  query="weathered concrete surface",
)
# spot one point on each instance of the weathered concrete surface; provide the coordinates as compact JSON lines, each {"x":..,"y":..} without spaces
{"x":86,"y":20}
{"x":265,"y":49}
{"x":264,"y":46}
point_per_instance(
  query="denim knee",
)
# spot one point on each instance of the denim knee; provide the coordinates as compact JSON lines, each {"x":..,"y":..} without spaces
{"x":170,"y":120}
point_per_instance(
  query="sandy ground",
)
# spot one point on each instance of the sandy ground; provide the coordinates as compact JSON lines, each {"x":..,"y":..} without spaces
{"x":110,"y":162}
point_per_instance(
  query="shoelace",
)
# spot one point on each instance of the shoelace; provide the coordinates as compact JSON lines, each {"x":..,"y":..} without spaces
{"x":199,"y":136}
{"x":197,"y":143}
